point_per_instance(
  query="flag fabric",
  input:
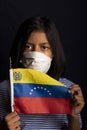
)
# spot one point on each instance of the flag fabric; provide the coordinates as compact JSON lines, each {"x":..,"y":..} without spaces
{"x":33,"y":92}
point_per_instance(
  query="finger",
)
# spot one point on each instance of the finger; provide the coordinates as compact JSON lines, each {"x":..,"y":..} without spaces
{"x":15,"y":119}
{"x":75,"y":89}
{"x":77,"y":100}
{"x":75,"y":86}
{"x":78,"y":97}
{"x":12,"y":120}
{"x":18,"y":128}
{"x":14,"y":128}
{"x":15,"y":125}
{"x":74,"y":103}
{"x":10,"y":115}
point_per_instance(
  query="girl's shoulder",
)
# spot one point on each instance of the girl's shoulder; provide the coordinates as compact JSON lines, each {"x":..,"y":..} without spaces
{"x":4,"y":85}
{"x":4,"y":82}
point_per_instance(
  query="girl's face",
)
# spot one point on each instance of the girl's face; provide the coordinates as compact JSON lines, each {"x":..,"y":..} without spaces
{"x":38,"y":42}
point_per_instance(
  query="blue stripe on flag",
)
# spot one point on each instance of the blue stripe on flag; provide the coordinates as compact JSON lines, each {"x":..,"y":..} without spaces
{"x":39,"y":90}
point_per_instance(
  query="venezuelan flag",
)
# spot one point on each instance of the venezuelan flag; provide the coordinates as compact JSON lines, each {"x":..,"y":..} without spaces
{"x":34,"y":92}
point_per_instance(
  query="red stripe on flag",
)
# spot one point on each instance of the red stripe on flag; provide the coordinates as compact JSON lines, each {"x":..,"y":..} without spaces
{"x":42,"y":105}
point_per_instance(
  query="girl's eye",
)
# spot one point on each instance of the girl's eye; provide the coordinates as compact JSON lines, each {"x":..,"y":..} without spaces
{"x":28,"y":46}
{"x":45,"y":47}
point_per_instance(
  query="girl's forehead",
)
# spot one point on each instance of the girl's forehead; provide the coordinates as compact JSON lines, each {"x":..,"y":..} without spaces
{"x":38,"y":36}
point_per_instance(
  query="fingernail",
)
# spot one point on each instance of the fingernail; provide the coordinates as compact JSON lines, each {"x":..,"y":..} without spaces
{"x":69,"y":91}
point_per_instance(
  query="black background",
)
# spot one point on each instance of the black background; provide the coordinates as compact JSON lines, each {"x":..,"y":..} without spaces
{"x":69,"y":17}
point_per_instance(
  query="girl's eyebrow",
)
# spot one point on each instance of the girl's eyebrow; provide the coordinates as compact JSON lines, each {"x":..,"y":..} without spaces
{"x":39,"y":43}
{"x":45,"y":43}
{"x":28,"y":43}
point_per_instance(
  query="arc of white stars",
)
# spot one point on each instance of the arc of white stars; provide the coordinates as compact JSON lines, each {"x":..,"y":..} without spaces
{"x":42,"y":88}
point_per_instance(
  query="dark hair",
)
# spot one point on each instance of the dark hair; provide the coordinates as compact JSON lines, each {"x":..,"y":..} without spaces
{"x":39,"y":24}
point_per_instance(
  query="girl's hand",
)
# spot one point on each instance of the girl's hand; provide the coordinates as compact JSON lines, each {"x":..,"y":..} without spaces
{"x":12,"y":121}
{"x":77,"y":101}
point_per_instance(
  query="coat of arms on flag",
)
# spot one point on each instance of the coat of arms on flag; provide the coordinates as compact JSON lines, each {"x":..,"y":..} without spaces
{"x":33,"y":92}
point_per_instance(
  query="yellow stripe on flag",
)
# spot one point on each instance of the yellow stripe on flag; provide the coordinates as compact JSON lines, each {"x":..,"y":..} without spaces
{"x":33,"y":76}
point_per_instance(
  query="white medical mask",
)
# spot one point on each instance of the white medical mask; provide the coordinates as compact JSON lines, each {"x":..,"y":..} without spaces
{"x":37,"y":61}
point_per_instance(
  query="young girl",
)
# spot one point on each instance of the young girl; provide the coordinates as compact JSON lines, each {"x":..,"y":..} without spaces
{"x":36,"y":39}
